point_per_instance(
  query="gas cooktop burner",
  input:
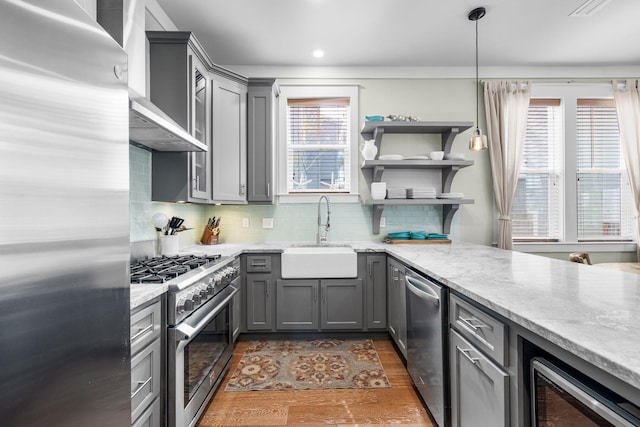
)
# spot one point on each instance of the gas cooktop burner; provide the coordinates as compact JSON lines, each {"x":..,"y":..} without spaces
{"x":163,"y":269}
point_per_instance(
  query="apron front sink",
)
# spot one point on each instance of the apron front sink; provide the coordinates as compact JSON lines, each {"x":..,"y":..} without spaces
{"x":319,"y":262}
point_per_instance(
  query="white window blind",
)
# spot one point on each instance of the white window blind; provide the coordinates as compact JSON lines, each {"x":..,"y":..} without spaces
{"x":318,"y":145}
{"x":603,"y":193}
{"x":536,"y":210}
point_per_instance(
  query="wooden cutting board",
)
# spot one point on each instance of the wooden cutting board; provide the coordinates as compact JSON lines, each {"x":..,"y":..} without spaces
{"x":417,"y":242}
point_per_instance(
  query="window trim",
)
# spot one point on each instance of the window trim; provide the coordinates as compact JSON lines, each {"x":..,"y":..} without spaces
{"x":295,"y":91}
{"x":569,"y":93}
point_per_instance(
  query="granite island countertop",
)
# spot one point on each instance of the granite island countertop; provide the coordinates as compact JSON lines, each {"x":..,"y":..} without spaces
{"x":589,"y":311}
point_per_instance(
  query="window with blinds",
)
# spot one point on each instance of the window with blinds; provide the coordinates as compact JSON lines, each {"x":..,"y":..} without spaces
{"x":603,"y":193}
{"x":318,"y":145}
{"x":536,"y":210}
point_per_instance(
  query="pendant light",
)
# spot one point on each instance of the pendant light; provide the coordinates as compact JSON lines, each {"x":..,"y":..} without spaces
{"x":478,"y":141}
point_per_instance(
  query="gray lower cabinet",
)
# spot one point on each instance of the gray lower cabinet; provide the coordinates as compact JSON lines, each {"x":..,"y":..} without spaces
{"x":397,"y":305}
{"x":261,"y":131}
{"x":297,"y":304}
{"x":375,"y":284}
{"x":479,"y":388}
{"x":259,"y":297}
{"x":319,"y":304}
{"x":480,"y":366}
{"x":341,"y":304}
{"x":147,"y":325}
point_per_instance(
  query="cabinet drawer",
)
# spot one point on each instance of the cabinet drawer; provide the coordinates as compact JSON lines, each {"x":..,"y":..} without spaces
{"x":145,"y":378}
{"x":483,"y":330}
{"x":258,"y":263}
{"x":479,"y":388}
{"x":145,"y":326}
{"x":150,"y":417}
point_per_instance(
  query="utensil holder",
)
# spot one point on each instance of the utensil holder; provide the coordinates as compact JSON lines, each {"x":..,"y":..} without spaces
{"x":169,"y":244}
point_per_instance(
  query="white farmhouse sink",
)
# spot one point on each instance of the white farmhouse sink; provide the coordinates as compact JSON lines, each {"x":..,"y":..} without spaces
{"x":319,"y":262}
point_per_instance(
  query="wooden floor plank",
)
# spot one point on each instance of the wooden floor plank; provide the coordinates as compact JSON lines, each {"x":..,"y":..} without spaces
{"x":397,"y":405}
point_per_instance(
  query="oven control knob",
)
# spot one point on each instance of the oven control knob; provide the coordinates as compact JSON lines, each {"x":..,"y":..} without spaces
{"x":206,"y":291}
{"x":188,"y":304}
{"x":196,"y":298}
{"x":181,"y":306}
{"x":202,"y":291}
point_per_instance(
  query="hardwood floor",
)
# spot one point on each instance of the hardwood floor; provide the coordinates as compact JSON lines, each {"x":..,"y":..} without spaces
{"x":343,"y":407}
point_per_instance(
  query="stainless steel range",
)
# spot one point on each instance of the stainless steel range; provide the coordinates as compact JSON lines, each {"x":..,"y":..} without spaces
{"x":199,"y":318}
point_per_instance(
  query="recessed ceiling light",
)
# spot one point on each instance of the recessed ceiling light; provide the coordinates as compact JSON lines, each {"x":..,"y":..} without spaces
{"x":589,"y":7}
{"x":318,"y":53}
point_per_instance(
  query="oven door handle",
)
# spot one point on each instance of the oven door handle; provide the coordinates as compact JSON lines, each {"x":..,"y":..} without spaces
{"x":185,"y":332}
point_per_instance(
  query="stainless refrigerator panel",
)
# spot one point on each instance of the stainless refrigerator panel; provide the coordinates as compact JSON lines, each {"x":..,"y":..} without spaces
{"x":64,"y":229}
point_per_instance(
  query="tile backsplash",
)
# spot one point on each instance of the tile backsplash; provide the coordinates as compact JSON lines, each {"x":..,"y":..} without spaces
{"x":291,"y":222}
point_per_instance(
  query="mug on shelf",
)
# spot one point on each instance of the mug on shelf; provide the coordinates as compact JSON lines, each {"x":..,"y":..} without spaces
{"x":378,"y":190}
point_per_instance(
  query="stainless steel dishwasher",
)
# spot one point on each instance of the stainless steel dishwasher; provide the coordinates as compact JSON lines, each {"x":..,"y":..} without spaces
{"x":426,"y":343}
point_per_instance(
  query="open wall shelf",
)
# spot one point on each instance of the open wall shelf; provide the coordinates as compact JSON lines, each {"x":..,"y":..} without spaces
{"x":374,"y":169}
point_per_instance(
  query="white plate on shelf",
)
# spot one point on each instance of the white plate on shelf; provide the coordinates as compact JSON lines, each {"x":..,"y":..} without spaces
{"x":451,"y":196}
{"x":417,"y":158}
{"x":390,"y":157}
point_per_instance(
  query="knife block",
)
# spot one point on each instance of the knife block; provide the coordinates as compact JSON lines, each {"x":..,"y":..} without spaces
{"x":208,"y":238}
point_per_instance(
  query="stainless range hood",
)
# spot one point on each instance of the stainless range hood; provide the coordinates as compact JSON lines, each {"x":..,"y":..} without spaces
{"x":149,"y":126}
{"x":152,"y":128}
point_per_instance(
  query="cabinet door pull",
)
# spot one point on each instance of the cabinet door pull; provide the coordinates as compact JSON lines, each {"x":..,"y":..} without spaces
{"x":475,"y":326}
{"x":466,"y":352}
{"x":268,"y":190}
{"x":141,"y":385}
{"x":142,"y":332}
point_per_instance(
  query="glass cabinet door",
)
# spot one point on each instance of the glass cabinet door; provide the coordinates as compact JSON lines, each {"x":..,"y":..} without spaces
{"x":200,"y":160}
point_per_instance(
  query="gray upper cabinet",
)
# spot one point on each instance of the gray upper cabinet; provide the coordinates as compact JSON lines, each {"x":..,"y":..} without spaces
{"x":376,"y":291}
{"x":211,"y":103}
{"x":179,"y":85}
{"x":261,"y":137}
{"x":229,"y":145}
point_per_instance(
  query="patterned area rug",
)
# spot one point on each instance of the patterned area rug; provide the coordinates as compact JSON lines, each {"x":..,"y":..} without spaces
{"x":308,"y":365}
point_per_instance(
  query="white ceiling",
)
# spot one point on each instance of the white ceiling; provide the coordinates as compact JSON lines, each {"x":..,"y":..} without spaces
{"x":411,"y":33}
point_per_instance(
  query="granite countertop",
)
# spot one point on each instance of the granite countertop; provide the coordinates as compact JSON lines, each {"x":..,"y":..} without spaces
{"x":591,"y":312}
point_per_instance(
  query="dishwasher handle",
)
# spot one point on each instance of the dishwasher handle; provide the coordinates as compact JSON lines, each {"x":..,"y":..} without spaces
{"x":422,"y":290}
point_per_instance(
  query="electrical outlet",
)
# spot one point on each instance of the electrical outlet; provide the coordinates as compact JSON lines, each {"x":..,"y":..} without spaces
{"x":383,"y":222}
{"x":267,"y":222}
{"x":245,"y":222}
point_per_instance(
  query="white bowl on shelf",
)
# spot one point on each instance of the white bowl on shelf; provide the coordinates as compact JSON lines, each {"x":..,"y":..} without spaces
{"x":436,"y":155}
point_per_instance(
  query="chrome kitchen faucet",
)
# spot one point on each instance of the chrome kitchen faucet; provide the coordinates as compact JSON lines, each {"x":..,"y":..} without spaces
{"x":323,"y":238}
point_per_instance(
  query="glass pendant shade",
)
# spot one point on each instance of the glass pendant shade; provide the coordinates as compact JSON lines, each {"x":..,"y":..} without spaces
{"x":478,"y":141}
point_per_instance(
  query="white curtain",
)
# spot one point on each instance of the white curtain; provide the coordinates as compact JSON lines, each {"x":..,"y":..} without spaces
{"x":506,"y":105}
{"x":628,"y":107}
